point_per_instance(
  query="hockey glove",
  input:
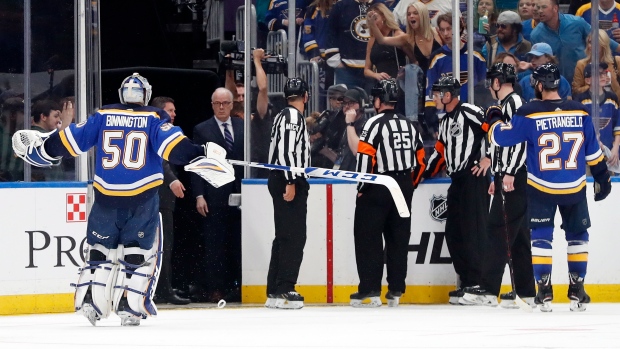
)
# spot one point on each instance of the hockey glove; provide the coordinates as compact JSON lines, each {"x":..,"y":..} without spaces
{"x":28,"y":145}
{"x":493,"y":114}
{"x":602,"y":189}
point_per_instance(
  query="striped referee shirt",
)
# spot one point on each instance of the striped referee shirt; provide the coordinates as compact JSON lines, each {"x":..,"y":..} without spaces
{"x":390,"y":143}
{"x":509,"y":160}
{"x":461,"y":140}
{"x":290,"y":145}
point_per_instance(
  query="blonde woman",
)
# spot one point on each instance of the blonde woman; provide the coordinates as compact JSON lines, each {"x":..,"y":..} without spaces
{"x":386,"y":60}
{"x":605,"y":55}
{"x":421,"y":40}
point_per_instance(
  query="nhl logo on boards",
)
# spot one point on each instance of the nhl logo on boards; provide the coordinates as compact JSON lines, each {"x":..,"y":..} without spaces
{"x":76,"y":207}
{"x":439,"y":208}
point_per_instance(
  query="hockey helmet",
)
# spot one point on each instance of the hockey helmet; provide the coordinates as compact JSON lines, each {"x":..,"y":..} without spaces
{"x":548,"y":74}
{"x":135,"y":89}
{"x":503,"y":71}
{"x":386,"y":91}
{"x":446,"y":83}
{"x":295,"y":87}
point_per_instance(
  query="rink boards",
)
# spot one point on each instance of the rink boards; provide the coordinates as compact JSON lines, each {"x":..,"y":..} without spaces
{"x":44,"y":224}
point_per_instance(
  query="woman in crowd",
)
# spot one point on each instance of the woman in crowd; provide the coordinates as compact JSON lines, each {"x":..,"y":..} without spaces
{"x":526,"y":9}
{"x":605,"y":56}
{"x":484,"y":6}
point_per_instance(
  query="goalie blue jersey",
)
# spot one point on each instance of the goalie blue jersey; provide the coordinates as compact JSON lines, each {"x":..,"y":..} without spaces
{"x":561,"y":141}
{"x":130,"y":143}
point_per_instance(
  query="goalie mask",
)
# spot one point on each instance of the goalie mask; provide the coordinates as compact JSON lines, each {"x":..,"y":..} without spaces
{"x":135,"y":89}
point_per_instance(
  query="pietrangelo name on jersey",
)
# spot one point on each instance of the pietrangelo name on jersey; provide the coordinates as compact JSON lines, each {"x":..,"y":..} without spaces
{"x":558,"y":122}
{"x":126,"y":121}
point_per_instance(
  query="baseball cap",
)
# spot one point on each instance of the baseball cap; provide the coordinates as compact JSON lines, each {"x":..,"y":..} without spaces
{"x":358,"y":95}
{"x":587,"y":72}
{"x":509,"y":17}
{"x":337,"y":89}
{"x":540,"y":49}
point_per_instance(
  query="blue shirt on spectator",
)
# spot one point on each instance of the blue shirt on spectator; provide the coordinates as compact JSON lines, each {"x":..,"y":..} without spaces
{"x":568,"y":42}
{"x":528,"y":26}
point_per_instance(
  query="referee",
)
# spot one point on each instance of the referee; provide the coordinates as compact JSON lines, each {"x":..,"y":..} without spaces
{"x":390,"y":145}
{"x":459,"y":149}
{"x":289,"y":147}
{"x":510,"y":185}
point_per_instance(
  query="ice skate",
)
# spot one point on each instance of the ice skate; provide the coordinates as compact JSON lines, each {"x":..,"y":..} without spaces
{"x":357,"y":299}
{"x":545,"y":294}
{"x":88,"y":309}
{"x":507,"y":301}
{"x":271,"y":301}
{"x":456,"y":297}
{"x":579,"y":299}
{"x":128,"y":318}
{"x":478,"y":296}
{"x":289,"y":300}
{"x":393,"y":298}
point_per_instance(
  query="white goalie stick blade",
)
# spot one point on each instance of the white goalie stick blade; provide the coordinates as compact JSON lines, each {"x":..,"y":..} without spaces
{"x":522,"y":304}
{"x":213,"y":170}
{"x":387,"y":181}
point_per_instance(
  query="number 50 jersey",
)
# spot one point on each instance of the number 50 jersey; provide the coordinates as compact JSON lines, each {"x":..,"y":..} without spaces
{"x":131,"y":141}
{"x":561,"y":141}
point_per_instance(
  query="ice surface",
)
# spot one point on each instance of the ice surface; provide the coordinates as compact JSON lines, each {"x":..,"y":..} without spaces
{"x":408,"y":326}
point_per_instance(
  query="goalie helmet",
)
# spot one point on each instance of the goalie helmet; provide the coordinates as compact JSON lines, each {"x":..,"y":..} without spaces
{"x":386,"y":91}
{"x":295,"y":87}
{"x":445,"y":84}
{"x":548,"y":75}
{"x":135,"y":89}
{"x":502,"y":71}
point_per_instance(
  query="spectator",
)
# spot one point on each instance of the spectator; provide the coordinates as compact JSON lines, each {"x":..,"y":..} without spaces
{"x":349,"y":35}
{"x":607,"y":10}
{"x":277,"y":16}
{"x":605,"y":56}
{"x":530,"y":23}
{"x":566,"y":34}
{"x":489,"y":7}
{"x":608,"y":127}
{"x":435,"y":8}
{"x":526,"y":9}
{"x":540,"y":54}
{"x":169,"y":191}
{"x":355,"y":102}
{"x":328,"y":133}
{"x":509,"y":38}
{"x":441,"y":63}
{"x":221,"y":223}
{"x":46,"y":118}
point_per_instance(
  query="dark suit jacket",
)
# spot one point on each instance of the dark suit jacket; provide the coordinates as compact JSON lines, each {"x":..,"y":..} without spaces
{"x":167,"y":199}
{"x":210,"y":131}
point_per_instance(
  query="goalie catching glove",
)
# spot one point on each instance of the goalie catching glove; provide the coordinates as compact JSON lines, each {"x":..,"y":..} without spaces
{"x":28,"y":145}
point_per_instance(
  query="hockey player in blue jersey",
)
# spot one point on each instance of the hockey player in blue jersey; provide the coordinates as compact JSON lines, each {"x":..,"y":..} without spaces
{"x":561,"y":141}
{"x":124,"y":235}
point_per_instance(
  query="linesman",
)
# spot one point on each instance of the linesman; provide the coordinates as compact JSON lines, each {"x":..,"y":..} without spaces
{"x":508,"y":218}
{"x":390,"y":145}
{"x":460,"y":148}
{"x":290,"y":146}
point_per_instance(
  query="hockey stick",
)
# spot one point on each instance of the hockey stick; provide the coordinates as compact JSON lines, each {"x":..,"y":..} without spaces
{"x":387,"y":181}
{"x":520,"y":302}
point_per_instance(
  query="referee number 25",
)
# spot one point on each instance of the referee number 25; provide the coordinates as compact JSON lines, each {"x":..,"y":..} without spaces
{"x":402,"y":140}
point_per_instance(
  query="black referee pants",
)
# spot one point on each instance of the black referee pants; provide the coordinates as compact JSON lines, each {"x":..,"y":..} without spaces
{"x":468,"y":207}
{"x":496,"y":254}
{"x":377,"y":219}
{"x":287,"y":250}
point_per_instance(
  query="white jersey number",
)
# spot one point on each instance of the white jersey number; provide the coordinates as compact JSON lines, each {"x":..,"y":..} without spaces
{"x":552,"y":143}
{"x":133,"y":154}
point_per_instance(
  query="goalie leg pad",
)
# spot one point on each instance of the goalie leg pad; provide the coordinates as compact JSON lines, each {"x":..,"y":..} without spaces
{"x":93,"y":294}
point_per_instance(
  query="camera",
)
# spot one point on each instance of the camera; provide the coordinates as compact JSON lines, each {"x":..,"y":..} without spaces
{"x":232,"y":56}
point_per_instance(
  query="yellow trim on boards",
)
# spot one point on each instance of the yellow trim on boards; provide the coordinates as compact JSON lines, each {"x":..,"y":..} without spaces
{"x":36,"y":304}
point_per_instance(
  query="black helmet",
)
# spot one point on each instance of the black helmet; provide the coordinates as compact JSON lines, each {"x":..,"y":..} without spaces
{"x":386,"y":91}
{"x":548,"y":74}
{"x":502,"y":71}
{"x":447,"y":83}
{"x":295,"y":87}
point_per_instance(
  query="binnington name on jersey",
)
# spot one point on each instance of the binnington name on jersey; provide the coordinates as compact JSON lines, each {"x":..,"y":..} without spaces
{"x":127,"y":121}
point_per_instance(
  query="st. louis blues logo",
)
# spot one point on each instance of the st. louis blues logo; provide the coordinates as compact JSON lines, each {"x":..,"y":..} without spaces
{"x":439,"y":208}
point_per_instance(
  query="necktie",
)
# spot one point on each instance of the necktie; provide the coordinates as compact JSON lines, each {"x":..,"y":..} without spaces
{"x":228,"y":138}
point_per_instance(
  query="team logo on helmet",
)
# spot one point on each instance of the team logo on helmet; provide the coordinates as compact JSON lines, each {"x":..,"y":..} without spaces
{"x":360,"y":29}
{"x":439,"y":208}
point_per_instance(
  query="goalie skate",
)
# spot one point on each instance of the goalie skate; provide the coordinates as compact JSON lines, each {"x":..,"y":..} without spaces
{"x":89,"y":312}
{"x":579,"y":299}
{"x":357,"y":299}
{"x":393,"y":298}
{"x":289,"y":300}
{"x":545,"y":294}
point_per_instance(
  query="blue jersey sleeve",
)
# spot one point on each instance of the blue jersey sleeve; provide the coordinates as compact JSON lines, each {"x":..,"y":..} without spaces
{"x":510,"y":133}
{"x":78,"y":138}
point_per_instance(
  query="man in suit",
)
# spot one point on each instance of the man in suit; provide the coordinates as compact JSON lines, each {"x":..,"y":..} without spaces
{"x":221,"y":223}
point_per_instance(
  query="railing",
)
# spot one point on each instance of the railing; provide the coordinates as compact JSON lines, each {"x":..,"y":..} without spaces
{"x":309,"y":71}
{"x":276,"y":44}
{"x":240,"y":25}
{"x":213,"y":22}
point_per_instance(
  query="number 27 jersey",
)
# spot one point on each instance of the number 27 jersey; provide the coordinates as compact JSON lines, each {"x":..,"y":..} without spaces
{"x":561,"y":141}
